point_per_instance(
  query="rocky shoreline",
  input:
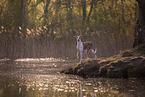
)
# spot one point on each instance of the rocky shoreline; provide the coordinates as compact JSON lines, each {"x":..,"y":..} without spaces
{"x":127,"y":64}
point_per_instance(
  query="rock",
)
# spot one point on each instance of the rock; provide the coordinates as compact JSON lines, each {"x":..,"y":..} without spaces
{"x":127,"y":54}
{"x":141,"y":47}
{"x":88,"y":69}
{"x":129,"y":65}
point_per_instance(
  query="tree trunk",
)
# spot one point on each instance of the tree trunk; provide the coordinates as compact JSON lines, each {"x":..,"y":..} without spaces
{"x":140,"y":27}
{"x":46,"y":12}
{"x":138,"y":35}
{"x":24,"y":15}
{"x":69,"y":12}
{"x":91,"y":10}
{"x":83,"y":2}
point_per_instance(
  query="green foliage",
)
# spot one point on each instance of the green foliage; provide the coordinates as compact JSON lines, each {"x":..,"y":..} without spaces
{"x":113,"y":16}
{"x":107,"y":23}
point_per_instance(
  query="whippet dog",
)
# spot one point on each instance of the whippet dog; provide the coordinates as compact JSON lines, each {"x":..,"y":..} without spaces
{"x":84,"y":46}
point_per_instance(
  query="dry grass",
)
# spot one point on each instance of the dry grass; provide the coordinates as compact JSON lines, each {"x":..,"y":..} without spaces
{"x":62,"y":47}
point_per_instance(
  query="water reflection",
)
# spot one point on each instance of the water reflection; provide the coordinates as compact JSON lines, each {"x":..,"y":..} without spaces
{"x":28,"y":78}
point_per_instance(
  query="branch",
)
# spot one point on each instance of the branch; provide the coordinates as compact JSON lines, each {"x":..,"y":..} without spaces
{"x":35,"y":5}
{"x":91,"y":9}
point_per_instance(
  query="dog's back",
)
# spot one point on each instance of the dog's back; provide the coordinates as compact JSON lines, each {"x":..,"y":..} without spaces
{"x":87,"y":45}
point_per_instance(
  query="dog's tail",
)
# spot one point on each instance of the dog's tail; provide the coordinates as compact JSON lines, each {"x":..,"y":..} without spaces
{"x":94,"y":51}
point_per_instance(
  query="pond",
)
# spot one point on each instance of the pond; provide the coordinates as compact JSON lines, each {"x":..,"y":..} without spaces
{"x":40,"y":77}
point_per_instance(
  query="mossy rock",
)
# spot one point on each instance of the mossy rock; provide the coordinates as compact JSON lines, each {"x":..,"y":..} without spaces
{"x":130,"y":63}
{"x":127,"y":54}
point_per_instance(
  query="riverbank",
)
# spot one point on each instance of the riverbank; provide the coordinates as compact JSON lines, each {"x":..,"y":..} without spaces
{"x":127,"y":64}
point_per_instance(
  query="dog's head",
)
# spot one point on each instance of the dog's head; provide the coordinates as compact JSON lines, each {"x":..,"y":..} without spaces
{"x":78,"y":38}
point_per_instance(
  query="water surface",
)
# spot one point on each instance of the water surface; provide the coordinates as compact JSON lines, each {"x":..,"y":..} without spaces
{"x":40,"y":77}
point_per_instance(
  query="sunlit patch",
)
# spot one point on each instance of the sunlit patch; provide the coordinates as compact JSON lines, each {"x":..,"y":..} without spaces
{"x":46,"y":86}
{"x":5,"y":59}
{"x":88,"y":84}
{"x":40,"y":60}
{"x":56,"y":85}
{"x":95,"y":91}
{"x":72,"y":88}
{"x":35,"y":77}
{"x":101,"y":91}
{"x":40,"y":85}
{"x":83,"y":90}
{"x":55,"y":78}
{"x":131,"y":90}
{"x":66,"y":91}
{"x":19,"y":90}
{"x":70,"y":82}
{"x":60,"y":89}
{"x":54,"y":65}
{"x":40,"y":88}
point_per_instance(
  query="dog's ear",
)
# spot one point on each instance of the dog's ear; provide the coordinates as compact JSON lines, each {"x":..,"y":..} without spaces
{"x":80,"y":35}
{"x":75,"y":36}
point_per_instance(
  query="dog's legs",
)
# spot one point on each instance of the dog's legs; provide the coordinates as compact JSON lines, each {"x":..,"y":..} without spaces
{"x":86,"y":54}
{"x":94,"y":52}
{"x":77,"y":54}
{"x":80,"y":57}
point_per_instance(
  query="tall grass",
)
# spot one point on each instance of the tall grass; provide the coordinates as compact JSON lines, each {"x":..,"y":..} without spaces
{"x":44,"y":45}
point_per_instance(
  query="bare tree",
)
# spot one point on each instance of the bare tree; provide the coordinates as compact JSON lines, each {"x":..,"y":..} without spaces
{"x":46,"y":11}
{"x":83,"y":2}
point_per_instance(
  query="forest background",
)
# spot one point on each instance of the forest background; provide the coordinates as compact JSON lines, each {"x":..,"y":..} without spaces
{"x":46,"y":28}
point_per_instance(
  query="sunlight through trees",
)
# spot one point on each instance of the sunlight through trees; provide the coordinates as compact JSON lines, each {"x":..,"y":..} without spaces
{"x":108,"y":23}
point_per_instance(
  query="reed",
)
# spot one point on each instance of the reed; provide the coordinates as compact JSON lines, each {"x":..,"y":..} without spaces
{"x":64,"y":46}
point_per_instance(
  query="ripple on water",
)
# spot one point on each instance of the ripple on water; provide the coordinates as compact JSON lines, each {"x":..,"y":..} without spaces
{"x":38,"y":76}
